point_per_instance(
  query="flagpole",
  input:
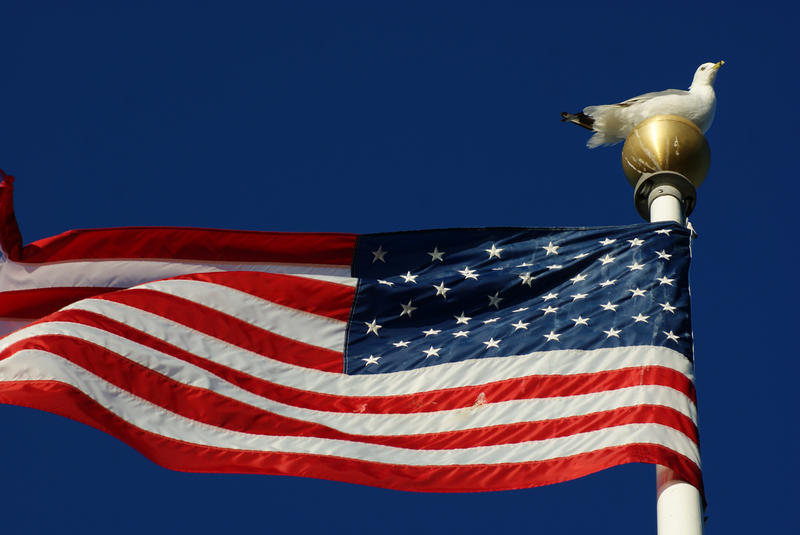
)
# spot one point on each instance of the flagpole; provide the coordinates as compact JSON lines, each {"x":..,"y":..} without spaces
{"x":679,"y":508}
{"x":665,"y":158}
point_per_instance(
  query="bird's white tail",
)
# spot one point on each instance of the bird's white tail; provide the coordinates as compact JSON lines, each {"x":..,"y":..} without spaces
{"x":607,"y":125}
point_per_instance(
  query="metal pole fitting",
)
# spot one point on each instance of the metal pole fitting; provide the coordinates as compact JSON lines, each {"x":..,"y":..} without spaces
{"x":651,"y":186}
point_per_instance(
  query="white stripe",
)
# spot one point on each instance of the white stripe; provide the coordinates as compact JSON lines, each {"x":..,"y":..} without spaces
{"x":450,"y":375}
{"x":320,"y":331}
{"x":127,"y":273}
{"x":39,"y":365}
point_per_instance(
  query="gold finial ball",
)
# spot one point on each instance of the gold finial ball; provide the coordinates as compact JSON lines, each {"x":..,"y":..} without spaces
{"x":666,"y":143}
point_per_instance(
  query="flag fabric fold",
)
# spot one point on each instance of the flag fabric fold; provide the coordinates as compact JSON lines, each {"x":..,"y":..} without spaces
{"x":44,"y":276}
{"x":443,"y":360}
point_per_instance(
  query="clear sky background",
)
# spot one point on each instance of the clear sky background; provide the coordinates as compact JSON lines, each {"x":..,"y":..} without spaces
{"x":381,"y":116}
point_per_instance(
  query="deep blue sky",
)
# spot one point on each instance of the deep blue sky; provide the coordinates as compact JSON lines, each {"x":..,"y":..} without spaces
{"x":382,"y":116}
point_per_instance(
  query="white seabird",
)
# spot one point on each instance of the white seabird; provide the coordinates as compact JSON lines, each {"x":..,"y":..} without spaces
{"x":611,"y":123}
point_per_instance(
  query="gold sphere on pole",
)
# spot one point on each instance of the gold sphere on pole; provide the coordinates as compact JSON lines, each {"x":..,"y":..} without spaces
{"x":666,"y":143}
{"x":665,"y":155}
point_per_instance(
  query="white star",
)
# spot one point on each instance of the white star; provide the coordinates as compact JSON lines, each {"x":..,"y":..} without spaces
{"x":527,"y":278}
{"x":549,"y":296}
{"x":637,"y":292}
{"x":431,"y":332}
{"x":552,"y":336}
{"x":667,"y":307}
{"x":401,"y":343}
{"x":640,"y":318}
{"x":432,"y":352}
{"x":522,"y":309}
{"x":665,"y":280}
{"x":636,"y":242}
{"x":607,"y":259}
{"x":468,"y":273}
{"x":580,"y":320}
{"x":663,"y":254}
{"x":608,"y":282}
{"x":636,"y":266}
{"x":441,"y":290}
{"x":372,"y":326}
{"x":578,"y":257}
{"x":555,"y":266}
{"x":462,"y":319}
{"x":407,"y":309}
{"x":379,"y":255}
{"x":370,"y":360}
{"x":493,"y":320}
{"x":607,"y":241}
{"x":613,"y":332}
{"x":436,"y":254}
{"x":493,"y":252}
{"x":578,"y":296}
{"x":408,"y":277}
{"x":549,"y":310}
{"x":551,"y":249}
{"x":578,"y":278}
{"x":664,"y":231}
{"x":525,"y":264}
{"x":387,"y":283}
{"x":461,"y":334}
{"x":492,"y":343}
{"x":672,"y":336}
{"x":494,"y":300}
{"x":520,"y":325}
{"x":609,"y":306}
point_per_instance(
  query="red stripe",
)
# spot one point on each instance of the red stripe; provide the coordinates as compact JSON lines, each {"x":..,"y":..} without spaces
{"x":65,"y":400}
{"x":229,"y":329}
{"x":309,"y":295}
{"x":39,"y":302}
{"x":209,"y":407}
{"x":10,"y":237}
{"x":537,"y":386}
{"x":210,"y":245}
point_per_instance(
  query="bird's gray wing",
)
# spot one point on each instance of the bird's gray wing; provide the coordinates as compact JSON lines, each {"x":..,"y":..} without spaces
{"x":649,"y":96}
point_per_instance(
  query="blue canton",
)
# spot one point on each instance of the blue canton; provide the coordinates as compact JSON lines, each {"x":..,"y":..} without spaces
{"x":429,"y":297}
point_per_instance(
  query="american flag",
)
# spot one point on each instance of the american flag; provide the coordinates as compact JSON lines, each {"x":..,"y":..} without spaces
{"x":441,"y":360}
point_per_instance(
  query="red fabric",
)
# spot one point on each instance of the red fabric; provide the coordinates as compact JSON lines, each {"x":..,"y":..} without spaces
{"x":309,"y":295}
{"x":193,"y":244}
{"x":39,"y":302}
{"x":10,"y":237}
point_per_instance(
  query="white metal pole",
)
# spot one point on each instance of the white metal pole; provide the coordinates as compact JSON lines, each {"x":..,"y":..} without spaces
{"x":679,"y":508}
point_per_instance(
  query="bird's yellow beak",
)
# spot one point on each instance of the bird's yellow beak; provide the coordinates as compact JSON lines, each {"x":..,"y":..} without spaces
{"x":719,"y":64}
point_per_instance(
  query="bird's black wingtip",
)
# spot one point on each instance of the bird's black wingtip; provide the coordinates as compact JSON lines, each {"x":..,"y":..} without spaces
{"x":580,"y":119}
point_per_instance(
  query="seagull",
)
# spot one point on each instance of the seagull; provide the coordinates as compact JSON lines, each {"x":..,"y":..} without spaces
{"x":611,"y":123}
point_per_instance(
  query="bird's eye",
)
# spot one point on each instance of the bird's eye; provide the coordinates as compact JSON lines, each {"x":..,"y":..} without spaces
{"x":702,"y":68}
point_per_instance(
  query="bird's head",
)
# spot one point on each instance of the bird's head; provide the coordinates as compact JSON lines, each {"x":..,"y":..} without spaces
{"x":706,"y":73}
